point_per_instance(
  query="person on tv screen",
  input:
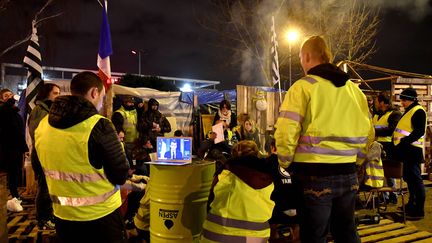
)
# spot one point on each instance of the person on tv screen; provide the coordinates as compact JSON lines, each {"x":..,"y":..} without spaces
{"x":174,"y":152}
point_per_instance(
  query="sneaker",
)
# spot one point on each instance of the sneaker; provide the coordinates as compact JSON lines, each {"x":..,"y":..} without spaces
{"x":14,"y":205}
{"x":46,"y":225}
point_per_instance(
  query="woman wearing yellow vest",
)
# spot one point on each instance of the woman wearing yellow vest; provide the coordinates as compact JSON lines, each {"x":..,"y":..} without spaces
{"x":84,"y":162}
{"x":409,"y":140}
{"x":239,"y":201}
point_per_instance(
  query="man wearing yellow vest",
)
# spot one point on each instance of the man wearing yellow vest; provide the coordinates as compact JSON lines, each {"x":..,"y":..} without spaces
{"x":323,"y":129}
{"x":409,"y":140}
{"x":126,"y":118}
{"x":385,"y":121}
{"x":84,"y":162}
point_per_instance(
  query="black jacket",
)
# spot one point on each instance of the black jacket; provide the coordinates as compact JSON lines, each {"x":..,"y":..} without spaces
{"x":105,"y":149}
{"x":145,"y":123}
{"x":12,"y":139}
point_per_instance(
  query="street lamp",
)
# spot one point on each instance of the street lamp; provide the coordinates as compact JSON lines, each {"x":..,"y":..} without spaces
{"x":291,"y":36}
{"x":139,"y":59}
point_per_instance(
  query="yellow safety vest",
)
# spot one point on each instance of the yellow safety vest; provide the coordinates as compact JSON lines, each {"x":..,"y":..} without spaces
{"x":79,"y":191}
{"x":404,"y":128}
{"x":382,"y":122}
{"x":374,"y":171}
{"x":321,"y":123}
{"x":129,"y":124}
{"x":142,"y":217}
{"x":239,"y":213}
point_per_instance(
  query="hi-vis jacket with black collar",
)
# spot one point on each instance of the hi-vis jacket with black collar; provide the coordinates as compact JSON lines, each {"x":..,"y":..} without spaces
{"x":322,"y":123}
{"x":79,"y":191}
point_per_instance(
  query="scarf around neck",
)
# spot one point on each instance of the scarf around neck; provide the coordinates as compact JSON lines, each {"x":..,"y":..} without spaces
{"x":225,"y":117}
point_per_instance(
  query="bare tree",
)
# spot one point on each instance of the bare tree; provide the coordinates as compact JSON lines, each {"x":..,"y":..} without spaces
{"x":37,"y":21}
{"x":3,"y":4}
{"x":244,"y":28}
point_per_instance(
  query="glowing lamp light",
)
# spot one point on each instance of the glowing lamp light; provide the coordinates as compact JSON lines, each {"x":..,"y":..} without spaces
{"x":292,"y":36}
{"x":186,"y":88}
{"x":134,"y":52}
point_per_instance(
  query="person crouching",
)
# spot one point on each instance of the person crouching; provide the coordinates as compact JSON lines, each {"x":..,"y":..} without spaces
{"x":239,"y":204}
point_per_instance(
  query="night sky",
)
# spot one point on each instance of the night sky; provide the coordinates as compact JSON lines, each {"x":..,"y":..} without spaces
{"x":174,"y":44}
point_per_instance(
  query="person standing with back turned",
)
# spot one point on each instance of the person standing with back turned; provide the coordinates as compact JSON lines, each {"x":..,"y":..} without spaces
{"x":323,"y":129}
{"x":84,"y":162}
{"x":408,"y":138}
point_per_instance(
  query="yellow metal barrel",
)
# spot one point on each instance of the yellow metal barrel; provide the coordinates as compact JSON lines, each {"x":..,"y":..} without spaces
{"x":178,"y":201}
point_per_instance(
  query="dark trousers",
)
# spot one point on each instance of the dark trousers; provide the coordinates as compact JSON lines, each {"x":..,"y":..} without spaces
{"x":412,"y":176}
{"x":44,"y":210}
{"x":108,"y":229}
{"x":327,"y":202}
{"x":14,"y":160}
{"x":43,"y":203}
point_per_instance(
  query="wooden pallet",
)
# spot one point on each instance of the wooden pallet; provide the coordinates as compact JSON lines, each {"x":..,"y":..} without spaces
{"x":388,"y":231}
{"x":22,"y":226}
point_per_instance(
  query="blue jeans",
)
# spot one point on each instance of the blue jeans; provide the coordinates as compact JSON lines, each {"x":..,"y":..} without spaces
{"x":327,"y":202}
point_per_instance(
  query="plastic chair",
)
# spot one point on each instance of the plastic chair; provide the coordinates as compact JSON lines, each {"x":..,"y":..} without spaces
{"x":392,"y":169}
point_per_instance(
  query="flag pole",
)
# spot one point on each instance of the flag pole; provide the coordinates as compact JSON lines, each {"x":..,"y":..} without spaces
{"x":275,"y":61}
{"x":108,"y":102}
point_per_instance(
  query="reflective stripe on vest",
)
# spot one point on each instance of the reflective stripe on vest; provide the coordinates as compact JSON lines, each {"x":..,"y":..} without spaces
{"x":129,"y":124}
{"x":404,"y":128}
{"x":232,"y":238}
{"x":82,"y":201}
{"x":79,"y":191}
{"x":291,"y":115}
{"x":70,"y":176}
{"x":241,"y":224}
{"x":374,"y":174}
{"x":238,"y":211}
{"x":380,"y":123}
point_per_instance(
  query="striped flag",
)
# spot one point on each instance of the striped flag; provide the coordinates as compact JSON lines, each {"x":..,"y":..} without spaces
{"x":33,"y":62}
{"x":274,"y":55}
{"x":105,"y":50}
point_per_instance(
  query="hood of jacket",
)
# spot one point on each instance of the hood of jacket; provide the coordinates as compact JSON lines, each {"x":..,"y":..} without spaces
{"x":67,"y":111}
{"x":330,"y":72}
{"x":152,"y":102}
{"x":253,"y":171}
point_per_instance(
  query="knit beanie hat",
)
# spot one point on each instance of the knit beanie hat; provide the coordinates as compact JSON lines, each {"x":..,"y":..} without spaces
{"x":408,"y":94}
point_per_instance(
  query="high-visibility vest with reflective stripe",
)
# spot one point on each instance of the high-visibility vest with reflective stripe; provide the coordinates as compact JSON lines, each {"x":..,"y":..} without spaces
{"x":129,"y":124}
{"x":79,"y":191}
{"x":326,"y":124}
{"x":404,"y":128}
{"x":239,"y":213}
{"x":374,"y":173}
{"x":382,"y":122}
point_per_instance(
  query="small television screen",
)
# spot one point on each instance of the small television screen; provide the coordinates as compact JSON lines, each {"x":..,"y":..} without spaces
{"x":174,"y":149}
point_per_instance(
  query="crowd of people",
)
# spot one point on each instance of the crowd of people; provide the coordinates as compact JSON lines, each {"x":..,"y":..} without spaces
{"x":84,"y":161}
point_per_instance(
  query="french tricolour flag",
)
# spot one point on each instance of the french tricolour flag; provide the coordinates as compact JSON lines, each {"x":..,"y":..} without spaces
{"x":105,"y":50}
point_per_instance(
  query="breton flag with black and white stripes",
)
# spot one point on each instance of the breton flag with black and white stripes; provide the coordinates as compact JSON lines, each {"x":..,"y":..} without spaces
{"x":33,"y":62}
{"x":274,"y":55}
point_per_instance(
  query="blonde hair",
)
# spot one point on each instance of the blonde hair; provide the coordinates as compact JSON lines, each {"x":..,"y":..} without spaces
{"x":253,"y":127}
{"x":245,"y":148}
{"x":318,"y":48}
